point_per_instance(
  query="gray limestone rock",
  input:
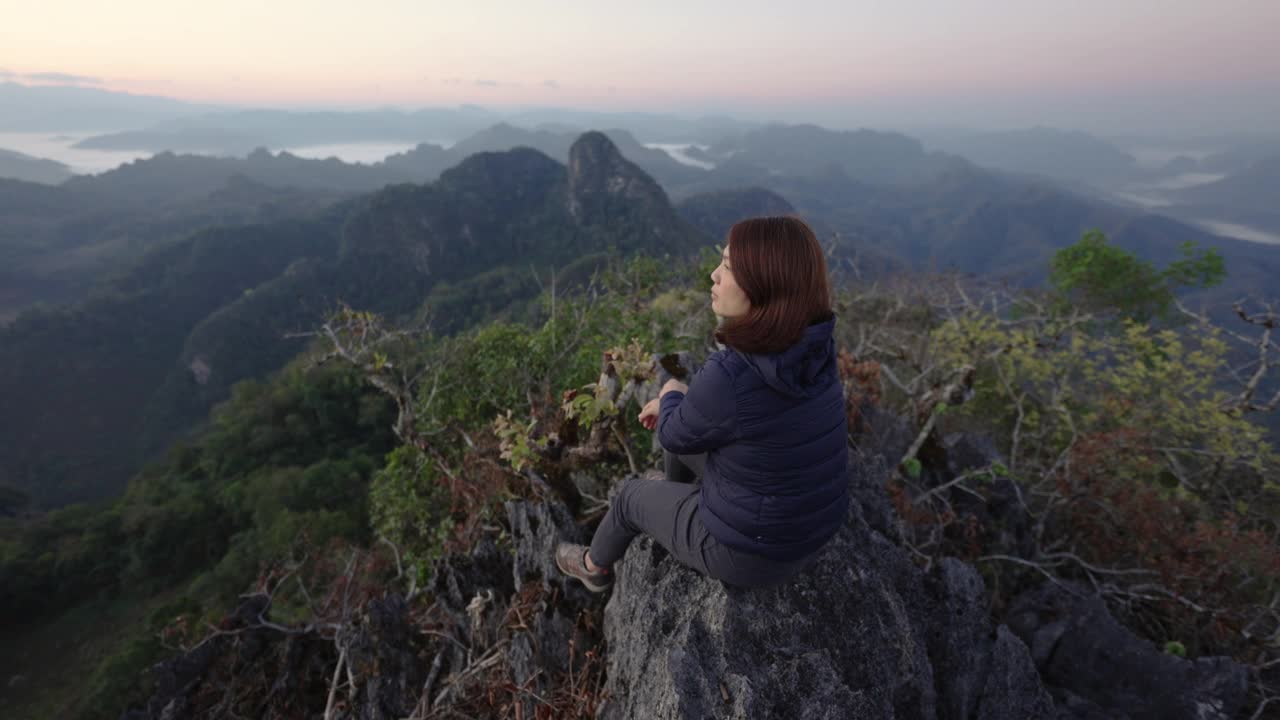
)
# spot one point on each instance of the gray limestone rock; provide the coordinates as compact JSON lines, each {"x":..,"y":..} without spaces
{"x":1090,"y":660}
{"x":862,"y":632}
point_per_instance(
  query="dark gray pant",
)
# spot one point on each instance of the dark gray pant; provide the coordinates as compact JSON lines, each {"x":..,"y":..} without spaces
{"x":667,"y":511}
{"x":684,"y":468}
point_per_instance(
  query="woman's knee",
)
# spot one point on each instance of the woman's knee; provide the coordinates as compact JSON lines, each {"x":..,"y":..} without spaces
{"x":626,"y":498}
{"x":626,"y":490}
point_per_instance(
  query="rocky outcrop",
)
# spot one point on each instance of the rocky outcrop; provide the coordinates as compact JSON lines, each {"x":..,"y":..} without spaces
{"x":602,"y":182}
{"x":1096,"y":668}
{"x":862,"y":632}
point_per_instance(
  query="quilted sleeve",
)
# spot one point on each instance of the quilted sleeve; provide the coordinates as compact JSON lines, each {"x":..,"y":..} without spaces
{"x":703,"y":419}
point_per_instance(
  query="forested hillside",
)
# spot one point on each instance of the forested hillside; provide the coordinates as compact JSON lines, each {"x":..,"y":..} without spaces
{"x":376,"y":374}
{"x":169,"y":336}
{"x":377,"y":465}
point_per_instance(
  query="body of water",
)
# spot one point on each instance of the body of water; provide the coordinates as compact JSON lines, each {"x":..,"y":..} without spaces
{"x":367,"y":153}
{"x":1155,"y":157}
{"x":58,"y":147}
{"x":1240,"y":232}
{"x":679,"y":153}
{"x":1186,"y":180}
{"x":1151,"y":194}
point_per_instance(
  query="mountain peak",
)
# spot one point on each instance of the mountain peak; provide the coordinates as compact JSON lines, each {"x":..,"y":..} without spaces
{"x":521,"y":172}
{"x":600,"y":177}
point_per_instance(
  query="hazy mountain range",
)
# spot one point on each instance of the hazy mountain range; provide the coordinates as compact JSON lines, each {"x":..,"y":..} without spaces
{"x":180,"y":262}
{"x":18,"y":166}
{"x":62,"y":108}
{"x":196,"y":267}
{"x":731,"y":152}
{"x":163,"y":337}
{"x":876,"y":186}
{"x":1047,"y":152}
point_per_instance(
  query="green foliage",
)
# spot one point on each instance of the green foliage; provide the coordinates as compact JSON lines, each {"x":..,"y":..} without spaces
{"x":498,"y":367}
{"x":284,"y":463}
{"x":1079,"y":383}
{"x":307,"y":457}
{"x":1173,"y":647}
{"x":1196,"y":269}
{"x":302,"y":458}
{"x":282,"y":460}
{"x":588,"y":407}
{"x":632,"y":363}
{"x":515,"y":441}
{"x":411,"y":505}
{"x":117,"y":681}
{"x":79,"y":381}
{"x":1099,"y":277}
{"x":114,"y":683}
{"x":453,"y":307}
{"x":498,"y":370}
{"x":913,"y":467}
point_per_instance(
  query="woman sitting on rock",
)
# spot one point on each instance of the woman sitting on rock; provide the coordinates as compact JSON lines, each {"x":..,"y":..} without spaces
{"x":762,"y":424}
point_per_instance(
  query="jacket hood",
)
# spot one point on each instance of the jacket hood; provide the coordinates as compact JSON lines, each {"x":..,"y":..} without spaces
{"x":804,"y":369}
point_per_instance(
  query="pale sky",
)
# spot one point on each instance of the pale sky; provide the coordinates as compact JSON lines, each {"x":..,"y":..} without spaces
{"x":781,"y":57}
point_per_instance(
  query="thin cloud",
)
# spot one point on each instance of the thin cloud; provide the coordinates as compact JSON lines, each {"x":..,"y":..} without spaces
{"x":63,"y":78}
{"x":487,"y":83}
{"x":551,"y":84}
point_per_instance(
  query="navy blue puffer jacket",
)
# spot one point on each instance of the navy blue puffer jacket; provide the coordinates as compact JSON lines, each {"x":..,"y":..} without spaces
{"x":776,"y":437}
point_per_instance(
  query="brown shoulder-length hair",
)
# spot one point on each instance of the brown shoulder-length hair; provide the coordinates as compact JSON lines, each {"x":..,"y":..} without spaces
{"x":782,"y":269}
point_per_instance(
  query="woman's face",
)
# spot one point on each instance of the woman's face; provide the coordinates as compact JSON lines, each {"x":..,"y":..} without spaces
{"x":727,"y":299}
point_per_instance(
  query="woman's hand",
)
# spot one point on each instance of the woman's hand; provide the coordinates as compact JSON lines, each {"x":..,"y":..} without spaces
{"x":649,"y":415}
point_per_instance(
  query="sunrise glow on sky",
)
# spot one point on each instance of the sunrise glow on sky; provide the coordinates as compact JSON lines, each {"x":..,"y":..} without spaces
{"x":656,"y":55}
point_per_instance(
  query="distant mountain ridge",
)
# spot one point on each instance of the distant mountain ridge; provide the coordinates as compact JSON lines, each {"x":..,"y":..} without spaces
{"x":17,"y":166}
{"x":241,"y":132}
{"x":976,"y":220}
{"x":715,"y":212}
{"x":63,"y":108}
{"x":195,"y":304}
{"x":56,"y":238}
{"x":463,"y":244}
{"x":888,"y":178}
{"x":867,"y":155}
{"x":1047,"y":152}
{"x":427,"y":159}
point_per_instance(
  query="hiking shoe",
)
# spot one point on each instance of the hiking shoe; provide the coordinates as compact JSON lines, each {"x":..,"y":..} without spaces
{"x":572,"y":561}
